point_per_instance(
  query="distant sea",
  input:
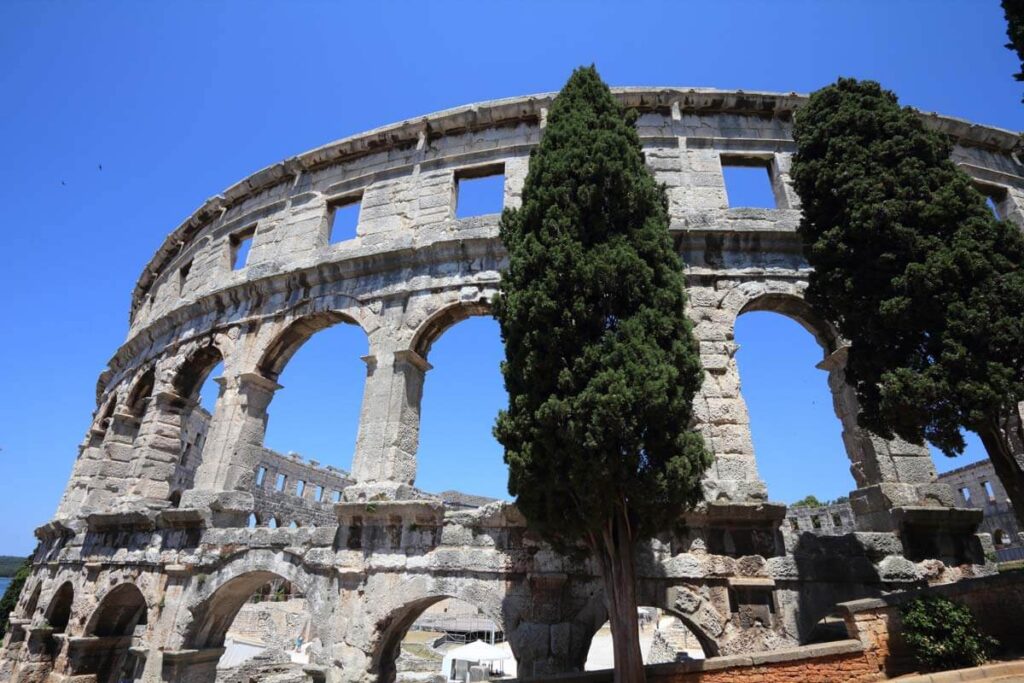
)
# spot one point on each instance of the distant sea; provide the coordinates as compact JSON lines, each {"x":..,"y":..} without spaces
{"x":4,"y":582}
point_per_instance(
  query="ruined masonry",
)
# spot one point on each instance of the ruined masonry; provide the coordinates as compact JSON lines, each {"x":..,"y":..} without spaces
{"x":151,"y":555}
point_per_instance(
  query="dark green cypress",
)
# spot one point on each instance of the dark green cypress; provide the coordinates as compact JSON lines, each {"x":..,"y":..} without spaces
{"x":1014,"y":11}
{"x":601,"y":364}
{"x":917,"y":274}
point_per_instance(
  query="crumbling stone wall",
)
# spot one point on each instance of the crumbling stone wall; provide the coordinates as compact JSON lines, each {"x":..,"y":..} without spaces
{"x":1000,"y":520}
{"x":828,"y":520}
{"x":276,"y":490}
{"x":732,"y":570}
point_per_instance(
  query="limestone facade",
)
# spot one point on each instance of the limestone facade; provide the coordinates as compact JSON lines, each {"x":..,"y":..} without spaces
{"x":149,"y":558}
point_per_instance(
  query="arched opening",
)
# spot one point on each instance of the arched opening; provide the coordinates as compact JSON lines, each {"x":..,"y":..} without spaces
{"x":197,"y":384}
{"x":261,"y":620}
{"x":102,"y":423}
{"x":58,"y":612}
{"x":441,"y":635}
{"x":138,"y":401}
{"x":318,"y":362}
{"x":462,"y":394}
{"x":114,"y":628}
{"x":1000,"y":539}
{"x":29,"y":610}
{"x":791,"y":408}
{"x":664,"y":637}
{"x":253,"y":521}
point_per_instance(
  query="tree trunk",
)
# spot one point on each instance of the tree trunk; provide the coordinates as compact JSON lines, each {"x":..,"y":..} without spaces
{"x":615,"y":555}
{"x":1003,"y":438}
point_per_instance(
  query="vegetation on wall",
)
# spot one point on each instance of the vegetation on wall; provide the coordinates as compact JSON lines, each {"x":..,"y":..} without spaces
{"x":601,"y":363}
{"x":916,"y":272}
{"x":944,"y":634}
{"x":812,"y":501}
{"x":10,"y":597}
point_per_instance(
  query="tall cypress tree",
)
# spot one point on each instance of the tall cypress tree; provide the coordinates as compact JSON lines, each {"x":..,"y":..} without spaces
{"x":916,"y":272}
{"x":601,"y":364}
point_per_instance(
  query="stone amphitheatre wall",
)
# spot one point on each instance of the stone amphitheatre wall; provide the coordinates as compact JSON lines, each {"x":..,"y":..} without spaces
{"x":149,"y":557}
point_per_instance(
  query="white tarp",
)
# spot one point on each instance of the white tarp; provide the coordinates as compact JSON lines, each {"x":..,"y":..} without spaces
{"x":477,"y":652}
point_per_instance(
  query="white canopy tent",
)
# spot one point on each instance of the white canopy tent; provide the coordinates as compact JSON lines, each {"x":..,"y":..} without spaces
{"x":457,"y":661}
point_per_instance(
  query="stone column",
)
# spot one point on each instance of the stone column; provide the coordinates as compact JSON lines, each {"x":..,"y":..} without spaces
{"x":234,"y":441}
{"x":158,"y":446}
{"x":719,"y":409}
{"x":389,"y":422}
{"x":889,"y":472}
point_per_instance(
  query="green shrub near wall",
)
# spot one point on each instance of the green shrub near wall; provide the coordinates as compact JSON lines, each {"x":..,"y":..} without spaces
{"x":943,"y":634}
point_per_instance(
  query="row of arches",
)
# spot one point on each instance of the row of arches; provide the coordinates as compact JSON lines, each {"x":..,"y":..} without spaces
{"x":318,"y":335}
{"x":107,"y":635}
{"x":104,"y":647}
{"x":321,"y":359}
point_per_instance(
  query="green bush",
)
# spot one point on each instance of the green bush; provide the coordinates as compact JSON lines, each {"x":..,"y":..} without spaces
{"x":943,"y":634}
{"x":10,"y":597}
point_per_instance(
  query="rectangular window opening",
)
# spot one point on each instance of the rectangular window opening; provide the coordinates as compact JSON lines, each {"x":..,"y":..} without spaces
{"x":748,"y":183}
{"x":479,"y":191}
{"x":816,"y":522}
{"x":261,"y":475}
{"x":319,"y":493}
{"x":241,"y":242}
{"x":989,"y":491}
{"x":336,"y":497}
{"x":837,"y":521}
{"x":183,"y":276}
{"x":300,"y":488}
{"x":966,"y":493}
{"x":281,"y":479}
{"x":344,"y":217}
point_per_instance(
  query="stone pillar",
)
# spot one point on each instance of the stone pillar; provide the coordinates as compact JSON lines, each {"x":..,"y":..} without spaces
{"x":107,"y":466}
{"x":719,"y":409}
{"x":389,"y":422}
{"x":889,"y":473}
{"x":158,"y":446}
{"x":235,"y":439}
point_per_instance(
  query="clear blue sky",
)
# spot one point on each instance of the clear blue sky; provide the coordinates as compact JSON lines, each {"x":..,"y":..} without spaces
{"x":177,"y":101}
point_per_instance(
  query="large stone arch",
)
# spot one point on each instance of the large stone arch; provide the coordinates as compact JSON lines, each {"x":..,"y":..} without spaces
{"x":392,"y":620}
{"x":794,"y":306}
{"x":695,"y":611}
{"x":283,"y":338}
{"x":119,"y":611}
{"x":213,"y":603}
{"x":440,"y":320}
{"x":874,"y":461}
{"x":60,"y":607}
{"x":105,"y":652}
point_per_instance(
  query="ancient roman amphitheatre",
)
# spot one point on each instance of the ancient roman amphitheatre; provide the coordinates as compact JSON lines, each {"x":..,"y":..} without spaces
{"x":175,"y":517}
